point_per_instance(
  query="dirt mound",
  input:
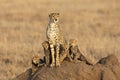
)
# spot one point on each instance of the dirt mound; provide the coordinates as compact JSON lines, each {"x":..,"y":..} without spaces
{"x":110,"y":60}
{"x":106,"y":69}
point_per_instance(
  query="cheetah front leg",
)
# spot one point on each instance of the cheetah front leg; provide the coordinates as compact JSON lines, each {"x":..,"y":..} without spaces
{"x":52,"y":55}
{"x":57,"y":55}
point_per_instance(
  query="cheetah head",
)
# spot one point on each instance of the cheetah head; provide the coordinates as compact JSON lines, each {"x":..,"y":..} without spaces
{"x":73,"y":42}
{"x":65,"y":47}
{"x":54,"y":17}
{"x":35,"y":59}
{"x":45,"y":45}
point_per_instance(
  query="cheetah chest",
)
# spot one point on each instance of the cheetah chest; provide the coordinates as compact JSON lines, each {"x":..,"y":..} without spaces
{"x":53,"y":34}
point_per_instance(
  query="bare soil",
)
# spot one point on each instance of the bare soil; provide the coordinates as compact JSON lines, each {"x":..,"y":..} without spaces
{"x":109,"y":70}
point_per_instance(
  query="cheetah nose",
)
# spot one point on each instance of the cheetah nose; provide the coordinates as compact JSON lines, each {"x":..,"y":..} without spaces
{"x":55,"y":19}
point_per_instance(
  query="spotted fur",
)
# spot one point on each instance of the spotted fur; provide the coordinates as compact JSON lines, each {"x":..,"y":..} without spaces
{"x":47,"y":54}
{"x":75,"y":52}
{"x":55,"y":38}
{"x":64,"y":52}
{"x":36,"y":63}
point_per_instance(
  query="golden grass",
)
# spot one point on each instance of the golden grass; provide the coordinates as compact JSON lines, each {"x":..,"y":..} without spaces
{"x":95,"y":24}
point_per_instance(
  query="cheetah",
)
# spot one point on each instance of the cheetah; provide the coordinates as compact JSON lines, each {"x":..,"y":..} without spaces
{"x":75,"y":52}
{"x":55,"y":38}
{"x":36,"y":63}
{"x":47,"y":54}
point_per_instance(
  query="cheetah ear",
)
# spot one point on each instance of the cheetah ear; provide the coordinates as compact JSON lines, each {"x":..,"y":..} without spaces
{"x":50,"y":14}
{"x":33,"y":55}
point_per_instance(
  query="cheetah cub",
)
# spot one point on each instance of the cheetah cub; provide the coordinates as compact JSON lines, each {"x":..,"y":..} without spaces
{"x":64,"y":52}
{"x":46,"y":47}
{"x":36,"y":63}
{"x":55,"y":38}
{"x":75,"y":52}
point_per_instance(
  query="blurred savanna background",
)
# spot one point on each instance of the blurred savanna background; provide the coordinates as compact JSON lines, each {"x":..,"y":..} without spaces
{"x":94,"y":23}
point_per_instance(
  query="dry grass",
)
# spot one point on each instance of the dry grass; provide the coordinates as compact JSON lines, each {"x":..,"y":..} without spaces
{"x":96,"y":25}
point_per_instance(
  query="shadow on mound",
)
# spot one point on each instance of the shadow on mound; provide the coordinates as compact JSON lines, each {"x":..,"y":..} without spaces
{"x":107,"y":68}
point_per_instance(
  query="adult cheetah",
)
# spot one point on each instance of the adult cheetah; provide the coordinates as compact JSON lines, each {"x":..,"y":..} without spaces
{"x":55,"y":38}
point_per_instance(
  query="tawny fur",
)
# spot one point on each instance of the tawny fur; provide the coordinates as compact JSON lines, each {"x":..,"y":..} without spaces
{"x":64,"y":52}
{"x":55,"y":38}
{"x":75,"y":52}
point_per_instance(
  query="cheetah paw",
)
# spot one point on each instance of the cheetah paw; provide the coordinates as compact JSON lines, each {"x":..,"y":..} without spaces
{"x":52,"y":65}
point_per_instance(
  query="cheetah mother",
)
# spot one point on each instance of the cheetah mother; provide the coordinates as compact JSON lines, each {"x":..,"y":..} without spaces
{"x":55,"y":38}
